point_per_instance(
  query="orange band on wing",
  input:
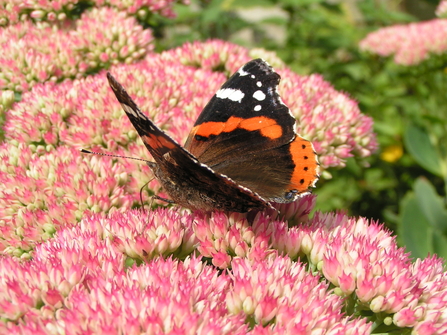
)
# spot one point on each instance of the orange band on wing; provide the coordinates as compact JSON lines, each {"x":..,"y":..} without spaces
{"x":306,"y":169}
{"x":268,"y":127}
{"x":157,"y":142}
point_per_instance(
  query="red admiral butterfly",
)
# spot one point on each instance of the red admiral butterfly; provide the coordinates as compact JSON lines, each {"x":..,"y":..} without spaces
{"x":242,"y":153}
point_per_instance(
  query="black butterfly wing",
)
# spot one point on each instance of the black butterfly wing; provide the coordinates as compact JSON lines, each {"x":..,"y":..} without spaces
{"x":247,"y":133}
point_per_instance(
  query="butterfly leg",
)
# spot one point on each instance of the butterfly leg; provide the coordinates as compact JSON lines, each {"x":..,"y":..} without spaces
{"x":156,"y":197}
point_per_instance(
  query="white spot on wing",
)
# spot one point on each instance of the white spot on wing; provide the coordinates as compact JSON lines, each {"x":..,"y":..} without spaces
{"x":257,"y":108}
{"x":259,"y":84}
{"x":242,"y":72}
{"x":129,"y":110}
{"x":230,"y":93}
{"x":253,"y":76}
{"x":259,"y":95}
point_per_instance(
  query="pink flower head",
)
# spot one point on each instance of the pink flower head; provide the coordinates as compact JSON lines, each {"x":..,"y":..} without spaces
{"x":363,"y":263}
{"x":52,"y":291}
{"x":410,"y":44}
{"x":142,"y":235}
{"x":42,"y":191}
{"x":218,"y":54}
{"x":117,"y":38}
{"x":281,"y":293}
{"x":34,"y":54}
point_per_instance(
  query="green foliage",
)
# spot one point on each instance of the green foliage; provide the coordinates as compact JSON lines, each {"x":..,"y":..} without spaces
{"x":426,"y":153}
{"x":423,"y":228}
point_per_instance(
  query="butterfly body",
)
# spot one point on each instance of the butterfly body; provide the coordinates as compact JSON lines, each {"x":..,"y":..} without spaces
{"x":242,"y":153}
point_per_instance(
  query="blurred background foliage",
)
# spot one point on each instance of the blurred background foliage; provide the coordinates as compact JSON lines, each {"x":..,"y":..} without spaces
{"x":405,"y":183}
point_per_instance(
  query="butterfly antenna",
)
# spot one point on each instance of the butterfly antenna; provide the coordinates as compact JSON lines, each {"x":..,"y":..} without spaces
{"x":110,"y":155}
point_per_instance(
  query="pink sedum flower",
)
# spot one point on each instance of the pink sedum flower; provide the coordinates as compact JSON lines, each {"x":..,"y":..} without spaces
{"x":82,"y":274}
{"x":281,"y":293}
{"x":77,"y":284}
{"x":116,"y":38}
{"x":42,"y":191}
{"x":410,"y":44}
{"x":360,"y":259}
{"x":218,"y":55}
{"x":38,"y":53}
{"x":142,"y":235}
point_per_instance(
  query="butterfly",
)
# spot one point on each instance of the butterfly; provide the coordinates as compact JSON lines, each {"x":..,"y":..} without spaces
{"x":243,"y":152}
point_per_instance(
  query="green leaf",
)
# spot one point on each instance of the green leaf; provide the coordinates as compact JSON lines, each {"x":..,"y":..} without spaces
{"x":420,"y":147}
{"x":431,"y":204}
{"x":423,"y":221}
{"x":414,"y":231}
{"x":440,"y":245}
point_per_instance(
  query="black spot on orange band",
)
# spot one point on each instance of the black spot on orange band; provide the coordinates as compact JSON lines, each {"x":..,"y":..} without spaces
{"x":306,"y":167}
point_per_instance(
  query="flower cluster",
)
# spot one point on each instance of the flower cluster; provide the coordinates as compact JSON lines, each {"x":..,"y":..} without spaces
{"x":360,"y":259}
{"x":141,"y":236}
{"x":441,"y":10}
{"x":357,"y":268}
{"x":244,"y":235}
{"x":82,"y":287}
{"x":410,"y":44}
{"x":280,"y":297}
{"x":78,"y":280}
{"x":218,"y":55}
{"x":44,"y":191}
{"x":13,"y":11}
{"x":37,"y":53}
